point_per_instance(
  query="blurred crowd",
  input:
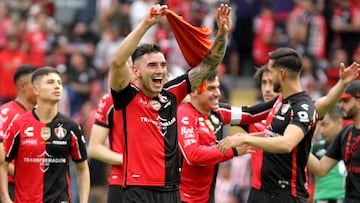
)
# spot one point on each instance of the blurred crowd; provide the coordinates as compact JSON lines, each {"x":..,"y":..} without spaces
{"x":79,"y":37}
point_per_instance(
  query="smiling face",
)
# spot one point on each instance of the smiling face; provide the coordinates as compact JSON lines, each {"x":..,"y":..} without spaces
{"x":207,"y":100}
{"x":151,"y":72}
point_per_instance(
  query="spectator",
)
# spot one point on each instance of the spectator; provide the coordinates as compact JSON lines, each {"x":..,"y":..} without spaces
{"x":264,"y":28}
{"x":346,"y":25}
{"x":10,"y":59}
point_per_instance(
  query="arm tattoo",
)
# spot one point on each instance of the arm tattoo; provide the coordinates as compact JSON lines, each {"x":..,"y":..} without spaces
{"x":212,"y":59}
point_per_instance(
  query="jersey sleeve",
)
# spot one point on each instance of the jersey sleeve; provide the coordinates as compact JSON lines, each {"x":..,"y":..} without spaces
{"x":304,"y":115}
{"x":334,"y":149}
{"x":124,"y":97}
{"x":78,"y":144}
{"x":179,"y":86}
{"x":225,"y":112}
{"x":11,"y":141}
{"x":104,"y":112}
{"x":246,"y":115}
{"x":193,"y":152}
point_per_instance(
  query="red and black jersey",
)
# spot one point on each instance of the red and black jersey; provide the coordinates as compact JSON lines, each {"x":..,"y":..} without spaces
{"x":198,"y":135}
{"x":105,"y":117}
{"x":149,"y":133}
{"x":345,"y":147}
{"x":257,"y":155}
{"x":42,"y":152}
{"x":8,"y":112}
{"x":286,"y":173}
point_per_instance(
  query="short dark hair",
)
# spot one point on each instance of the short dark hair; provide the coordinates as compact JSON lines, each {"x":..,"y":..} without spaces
{"x":212,"y":76}
{"x":145,"y":49}
{"x":260,"y":72}
{"x":23,"y":70}
{"x":287,"y":58}
{"x":43,"y":71}
{"x":335,"y":113}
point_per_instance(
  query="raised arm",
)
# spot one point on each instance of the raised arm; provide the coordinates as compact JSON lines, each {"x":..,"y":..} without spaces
{"x":120,"y":71}
{"x":347,"y":75}
{"x":213,"y":58}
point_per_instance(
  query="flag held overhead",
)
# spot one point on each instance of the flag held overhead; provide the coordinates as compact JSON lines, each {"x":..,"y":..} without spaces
{"x":193,"y":41}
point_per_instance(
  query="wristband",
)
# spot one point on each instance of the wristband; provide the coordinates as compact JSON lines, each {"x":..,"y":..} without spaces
{"x":235,"y":151}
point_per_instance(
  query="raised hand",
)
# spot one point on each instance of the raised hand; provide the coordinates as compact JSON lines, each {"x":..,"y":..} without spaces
{"x":350,"y":73}
{"x":223,"y":19}
{"x":155,"y":13}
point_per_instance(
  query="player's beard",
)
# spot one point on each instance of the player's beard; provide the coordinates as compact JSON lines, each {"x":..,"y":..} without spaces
{"x":277,"y":87}
{"x":349,"y":114}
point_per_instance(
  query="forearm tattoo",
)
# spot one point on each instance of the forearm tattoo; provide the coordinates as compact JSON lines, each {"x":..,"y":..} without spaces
{"x":210,"y":63}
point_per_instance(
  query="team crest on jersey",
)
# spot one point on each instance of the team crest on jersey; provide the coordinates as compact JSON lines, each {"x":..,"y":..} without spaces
{"x":155,"y":104}
{"x":60,"y":132}
{"x":163,"y":99}
{"x":45,"y":133}
{"x":285,"y":108}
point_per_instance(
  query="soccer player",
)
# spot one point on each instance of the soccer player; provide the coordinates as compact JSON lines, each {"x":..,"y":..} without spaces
{"x":147,"y":108}
{"x":25,"y":101}
{"x":41,"y":142}
{"x":200,"y":127}
{"x":288,"y":132}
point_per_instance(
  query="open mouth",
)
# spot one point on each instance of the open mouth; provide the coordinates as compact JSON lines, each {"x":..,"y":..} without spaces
{"x":157,"y":81}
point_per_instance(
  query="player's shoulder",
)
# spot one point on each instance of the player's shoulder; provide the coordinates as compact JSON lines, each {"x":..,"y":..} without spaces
{"x":303,"y":100}
{"x":185,"y":107}
{"x":11,"y":107}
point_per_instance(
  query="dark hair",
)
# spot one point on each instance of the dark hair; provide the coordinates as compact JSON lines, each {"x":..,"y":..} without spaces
{"x":335,"y":113}
{"x":145,"y":49}
{"x":22,"y":71}
{"x":212,"y":76}
{"x":287,"y":58}
{"x":260,"y":72}
{"x":43,"y":71}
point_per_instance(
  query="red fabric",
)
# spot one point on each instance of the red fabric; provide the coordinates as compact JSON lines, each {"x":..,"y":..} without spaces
{"x":193,"y":41}
{"x":9,"y":62}
{"x":37,"y":44}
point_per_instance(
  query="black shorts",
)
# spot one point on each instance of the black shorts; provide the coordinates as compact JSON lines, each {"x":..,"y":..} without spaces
{"x":149,"y":195}
{"x":11,"y":188}
{"x":257,"y":196}
{"x":116,"y":194}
